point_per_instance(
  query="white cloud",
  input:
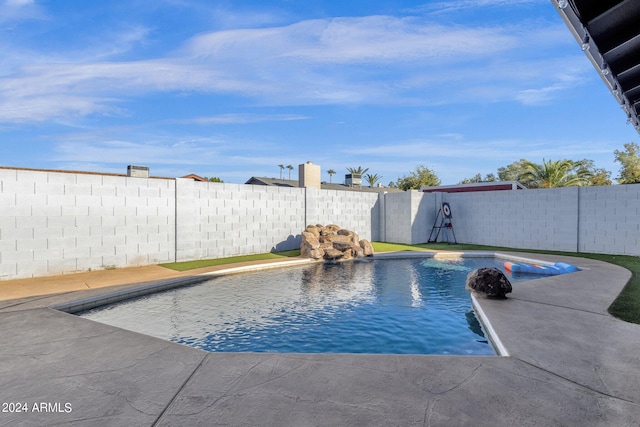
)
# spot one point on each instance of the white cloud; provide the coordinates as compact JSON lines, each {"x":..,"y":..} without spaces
{"x":119,"y":151}
{"x":372,"y":39}
{"x":457,"y":5}
{"x":18,"y":10}
{"x":451,"y":149}
{"x":232,"y":119}
{"x":375,"y":60}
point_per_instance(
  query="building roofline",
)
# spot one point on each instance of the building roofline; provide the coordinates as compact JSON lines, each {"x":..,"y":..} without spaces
{"x":74,"y":172}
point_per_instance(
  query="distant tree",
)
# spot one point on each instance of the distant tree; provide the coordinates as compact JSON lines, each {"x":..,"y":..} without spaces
{"x":392,"y":184}
{"x":214,"y":179}
{"x":601,"y":177}
{"x":553,"y":174}
{"x":331,"y":172}
{"x":582,"y":171}
{"x":357,"y":171}
{"x":372,"y":179}
{"x":629,"y":160}
{"x":281,"y":169}
{"x":598,"y":176}
{"x":513,"y":172}
{"x":421,"y":177}
{"x":478,"y":178}
{"x":290,"y":167}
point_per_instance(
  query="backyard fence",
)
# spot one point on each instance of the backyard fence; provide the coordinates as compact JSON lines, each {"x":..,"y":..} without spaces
{"x":60,"y":222}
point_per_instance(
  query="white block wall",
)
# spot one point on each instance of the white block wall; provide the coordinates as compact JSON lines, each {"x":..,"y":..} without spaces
{"x":219,"y":220}
{"x":409,"y":216}
{"x":55,"y":223}
{"x":533,"y":219}
{"x":609,"y":219}
{"x":397,"y":218}
{"x":357,"y":211}
{"x":424,"y":209}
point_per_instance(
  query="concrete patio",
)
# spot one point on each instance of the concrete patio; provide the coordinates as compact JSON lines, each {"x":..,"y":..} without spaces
{"x":570,"y":363}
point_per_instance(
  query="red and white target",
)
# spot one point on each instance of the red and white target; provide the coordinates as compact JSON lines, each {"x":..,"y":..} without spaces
{"x":446,"y":210}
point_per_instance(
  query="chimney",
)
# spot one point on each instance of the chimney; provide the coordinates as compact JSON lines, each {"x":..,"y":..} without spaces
{"x":138,"y":171}
{"x":309,"y":175}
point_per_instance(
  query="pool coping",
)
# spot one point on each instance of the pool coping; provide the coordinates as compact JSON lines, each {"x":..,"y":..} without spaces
{"x":78,"y":306}
{"x":583,"y":373}
{"x":75,"y":306}
{"x":83,"y":304}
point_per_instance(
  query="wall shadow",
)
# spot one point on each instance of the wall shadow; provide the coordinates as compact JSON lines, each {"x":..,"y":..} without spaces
{"x":292,"y":242}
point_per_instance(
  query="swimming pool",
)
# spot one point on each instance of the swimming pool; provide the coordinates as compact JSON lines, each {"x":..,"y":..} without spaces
{"x":389,"y":306}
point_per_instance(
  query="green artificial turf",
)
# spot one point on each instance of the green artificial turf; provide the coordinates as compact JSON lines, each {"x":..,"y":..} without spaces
{"x":191,"y":265}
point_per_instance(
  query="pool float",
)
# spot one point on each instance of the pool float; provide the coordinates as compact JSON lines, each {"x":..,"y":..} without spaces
{"x":549,"y":270}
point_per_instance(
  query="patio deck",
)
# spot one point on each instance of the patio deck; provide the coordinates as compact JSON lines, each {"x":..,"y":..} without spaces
{"x":569,"y":363}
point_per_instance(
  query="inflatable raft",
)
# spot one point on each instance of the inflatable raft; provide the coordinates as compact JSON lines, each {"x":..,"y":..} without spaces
{"x":549,"y":270}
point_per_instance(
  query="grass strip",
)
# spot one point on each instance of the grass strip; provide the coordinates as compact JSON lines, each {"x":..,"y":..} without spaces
{"x":192,"y":265}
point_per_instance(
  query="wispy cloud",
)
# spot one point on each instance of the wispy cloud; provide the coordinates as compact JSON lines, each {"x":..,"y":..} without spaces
{"x":233,"y":119}
{"x":372,"y":39}
{"x":451,"y":148}
{"x":457,"y":5}
{"x":19,"y":10}
{"x":361,"y":60}
{"x":118,"y":151}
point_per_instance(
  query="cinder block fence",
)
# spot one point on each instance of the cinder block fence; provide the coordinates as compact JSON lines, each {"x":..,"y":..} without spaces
{"x":55,"y":222}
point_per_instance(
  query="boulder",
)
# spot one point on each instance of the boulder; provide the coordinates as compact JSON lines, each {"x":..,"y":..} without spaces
{"x":332,"y":242}
{"x":316,"y":253}
{"x":353,"y":237}
{"x":310,"y":246}
{"x":333,"y":254}
{"x":367,"y":247}
{"x":313,"y":230}
{"x":357,"y":251}
{"x":488,"y":282}
{"x":342,"y":246}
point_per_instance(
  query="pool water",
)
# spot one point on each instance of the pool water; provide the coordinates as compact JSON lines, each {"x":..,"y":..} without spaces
{"x":390,"y":306}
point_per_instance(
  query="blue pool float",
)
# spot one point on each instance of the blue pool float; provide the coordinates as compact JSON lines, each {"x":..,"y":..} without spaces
{"x":549,"y":270}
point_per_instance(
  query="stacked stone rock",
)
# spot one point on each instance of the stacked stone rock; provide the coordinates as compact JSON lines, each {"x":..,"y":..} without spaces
{"x":331,"y":242}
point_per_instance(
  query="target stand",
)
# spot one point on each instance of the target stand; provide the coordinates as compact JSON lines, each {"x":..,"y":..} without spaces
{"x":444,"y":215}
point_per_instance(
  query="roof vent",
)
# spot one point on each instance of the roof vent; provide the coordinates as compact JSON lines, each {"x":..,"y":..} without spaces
{"x":353,"y":180}
{"x":138,"y":171}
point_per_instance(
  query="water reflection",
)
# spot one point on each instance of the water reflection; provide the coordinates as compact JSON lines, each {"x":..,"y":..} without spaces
{"x":381,"y":306}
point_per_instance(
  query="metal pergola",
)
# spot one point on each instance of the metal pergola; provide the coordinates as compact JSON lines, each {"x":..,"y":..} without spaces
{"x":609,"y":33}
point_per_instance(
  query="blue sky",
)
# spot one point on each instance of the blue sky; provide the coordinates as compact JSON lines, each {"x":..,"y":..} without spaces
{"x":234,"y":88}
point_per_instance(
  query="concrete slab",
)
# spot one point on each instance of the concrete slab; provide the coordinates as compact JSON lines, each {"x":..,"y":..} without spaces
{"x":596,"y":351}
{"x":84,"y":372}
{"x":592,"y":289}
{"x":571,"y":364}
{"x":561,"y":325}
{"x":374,"y":390}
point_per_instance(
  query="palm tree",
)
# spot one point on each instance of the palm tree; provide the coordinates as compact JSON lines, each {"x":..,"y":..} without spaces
{"x":553,"y":174}
{"x":281,"y":169}
{"x":290,"y":167}
{"x":372,"y":179}
{"x":331,"y":172}
{"x":357,"y":171}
